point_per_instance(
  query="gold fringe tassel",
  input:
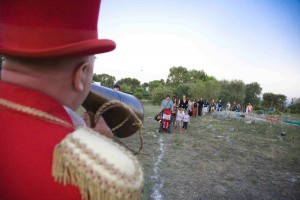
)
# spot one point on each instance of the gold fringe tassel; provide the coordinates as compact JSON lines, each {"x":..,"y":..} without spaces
{"x":65,"y":171}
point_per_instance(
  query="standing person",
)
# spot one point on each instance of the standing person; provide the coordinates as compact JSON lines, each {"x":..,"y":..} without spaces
{"x":200,"y":106}
{"x":219,"y":105}
{"x":190,"y":107}
{"x":238,"y":107}
{"x":234,"y":107}
{"x":228,"y":106}
{"x":175,"y":101}
{"x":173,"y":114}
{"x":49,"y":49}
{"x":179,"y":119}
{"x":184,"y":103}
{"x":195,"y":108}
{"x":212,"y":105}
{"x":186,"y":120}
{"x":249,"y":108}
{"x":205,"y":107}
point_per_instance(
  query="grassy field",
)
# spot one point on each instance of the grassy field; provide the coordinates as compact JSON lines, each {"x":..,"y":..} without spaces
{"x":219,"y":159}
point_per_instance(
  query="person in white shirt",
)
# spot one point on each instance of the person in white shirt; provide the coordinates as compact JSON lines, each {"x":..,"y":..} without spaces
{"x":186,"y":120}
{"x":228,"y":106}
{"x":179,"y":119}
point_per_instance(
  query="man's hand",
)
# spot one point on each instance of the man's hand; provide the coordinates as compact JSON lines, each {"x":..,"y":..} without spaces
{"x":100,"y":127}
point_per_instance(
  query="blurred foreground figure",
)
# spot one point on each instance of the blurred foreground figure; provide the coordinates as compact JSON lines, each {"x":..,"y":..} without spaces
{"x":49,"y":49}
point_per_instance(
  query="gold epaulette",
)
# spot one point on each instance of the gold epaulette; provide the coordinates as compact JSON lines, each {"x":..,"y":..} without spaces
{"x":99,"y":167}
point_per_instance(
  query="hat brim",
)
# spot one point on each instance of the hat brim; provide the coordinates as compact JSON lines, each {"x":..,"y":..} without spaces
{"x":82,"y":48}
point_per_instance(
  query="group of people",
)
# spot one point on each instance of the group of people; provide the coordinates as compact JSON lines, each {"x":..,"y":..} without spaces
{"x":239,"y":108}
{"x":176,"y":113}
{"x":179,"y":111}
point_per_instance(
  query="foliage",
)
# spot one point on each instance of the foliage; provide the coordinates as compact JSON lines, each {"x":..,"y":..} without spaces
{"x":177,"y":76}
{"x":104,"y":79}
{"x":212,"y":90}
{"x":274,"y":101}
{"x":131,"y":83}
{"x":197,"y":89}
{"x":145,"y":86}
{"x":232,"y":91}
{"x":196,"y":75}
{"x":156,"y":84}
{"x":181,"y":90}
{"x":138,"y":94}
{"x":295,"y":105}
{"x":126,"y":89}
{"x":252,"y":91}
{"x":196,"y":84}
{"x":159,"y":94}
{"x":180,"y":75}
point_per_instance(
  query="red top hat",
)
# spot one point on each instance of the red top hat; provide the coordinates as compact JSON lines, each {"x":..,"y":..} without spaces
{"x":50,"y":28}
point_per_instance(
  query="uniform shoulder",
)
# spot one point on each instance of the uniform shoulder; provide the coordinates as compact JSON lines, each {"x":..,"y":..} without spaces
{"x":97,"y":165}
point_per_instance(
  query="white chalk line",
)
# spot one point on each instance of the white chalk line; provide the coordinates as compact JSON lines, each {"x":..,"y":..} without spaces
{"x":158,"y":181}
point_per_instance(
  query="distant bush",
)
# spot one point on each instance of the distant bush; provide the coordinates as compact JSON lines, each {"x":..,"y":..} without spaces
{"x":295,"y":106}
{"x":159,"y":94}
{"x":260,"y":112}
{"x":138,"y":95}
{"x":258,"y":107}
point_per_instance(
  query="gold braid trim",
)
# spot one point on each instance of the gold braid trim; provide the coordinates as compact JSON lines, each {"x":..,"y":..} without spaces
{"x":35,"y":113}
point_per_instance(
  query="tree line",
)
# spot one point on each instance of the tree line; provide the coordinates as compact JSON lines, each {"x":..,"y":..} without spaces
{"x":196,"y":84}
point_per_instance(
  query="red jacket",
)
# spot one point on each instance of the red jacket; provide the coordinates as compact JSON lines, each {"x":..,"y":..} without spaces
{"x":26,"y":146}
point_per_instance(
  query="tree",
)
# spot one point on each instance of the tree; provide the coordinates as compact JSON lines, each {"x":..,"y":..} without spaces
{"x":197,"y":89}
{"x":104,"y":79}
{"x":212,"y":90}
{"x":252,"y":91}
{"x":177,"y":76}
{"x":182,"y":89}
{"x":196,"y":75}
{"x":131,"y":83}
{"x":232,"y":91}
{"x":295,"y":105}
{"x":156,"y":84}
{"x":138,"y":93}
{"x":159,"y":94}
{"x":126,"y":89}
{"x":274,"y":101}
{"x":145,"y":86}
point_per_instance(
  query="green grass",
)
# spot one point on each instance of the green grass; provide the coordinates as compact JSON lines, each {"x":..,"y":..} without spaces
{"x":221,"y":159}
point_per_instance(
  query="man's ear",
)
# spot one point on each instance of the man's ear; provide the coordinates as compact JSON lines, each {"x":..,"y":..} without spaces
{"x":80,"y":76}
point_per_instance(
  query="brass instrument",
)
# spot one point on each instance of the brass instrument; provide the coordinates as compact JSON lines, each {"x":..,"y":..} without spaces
{"x":124,"y":116}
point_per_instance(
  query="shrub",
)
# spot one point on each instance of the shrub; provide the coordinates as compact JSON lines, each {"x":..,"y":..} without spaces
{"x":138,"y":95}
{"x":159,"y":94}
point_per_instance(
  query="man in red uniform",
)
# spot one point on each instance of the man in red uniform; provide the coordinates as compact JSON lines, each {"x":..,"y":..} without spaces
{"x":49,"y":49}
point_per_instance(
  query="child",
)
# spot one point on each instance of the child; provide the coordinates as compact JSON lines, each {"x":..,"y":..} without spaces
{"x":174,"y":114}
{"x":179,"y":118}
{"x":186,"y":120}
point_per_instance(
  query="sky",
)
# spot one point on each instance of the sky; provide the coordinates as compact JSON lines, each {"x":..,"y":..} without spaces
{"x":248,"y":40}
